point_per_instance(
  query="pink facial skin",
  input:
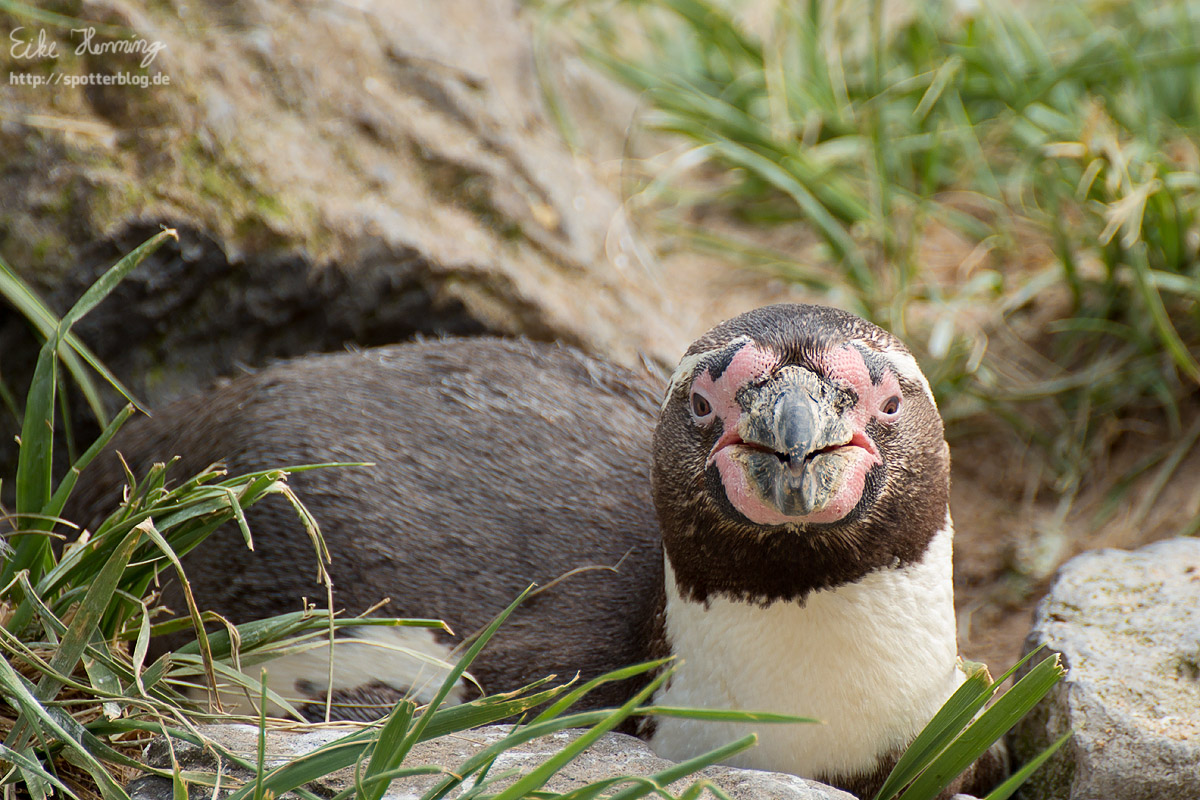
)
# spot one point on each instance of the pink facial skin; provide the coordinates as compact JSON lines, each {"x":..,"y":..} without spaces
{"x":846,"y":365}
{"x":751,"y":363}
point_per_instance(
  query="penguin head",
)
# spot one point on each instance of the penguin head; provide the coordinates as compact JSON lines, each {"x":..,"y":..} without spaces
{"x":802,"y":424}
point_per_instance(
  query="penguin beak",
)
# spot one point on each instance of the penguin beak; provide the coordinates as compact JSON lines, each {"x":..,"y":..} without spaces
{"x":797,"y":446}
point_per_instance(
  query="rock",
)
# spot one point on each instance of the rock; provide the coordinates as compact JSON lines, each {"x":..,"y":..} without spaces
{"x":338,"y":174}
{"x":1128,"y":629}
{"x":613,"y":754}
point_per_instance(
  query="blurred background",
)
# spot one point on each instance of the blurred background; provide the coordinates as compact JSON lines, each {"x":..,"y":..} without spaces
{"x":1011,"y":188}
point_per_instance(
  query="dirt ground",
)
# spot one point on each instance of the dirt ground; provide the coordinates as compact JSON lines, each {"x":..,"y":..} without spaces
{"x":1007,"y":546}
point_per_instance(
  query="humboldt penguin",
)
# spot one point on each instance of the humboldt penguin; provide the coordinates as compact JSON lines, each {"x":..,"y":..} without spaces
{"x":777,"y":517}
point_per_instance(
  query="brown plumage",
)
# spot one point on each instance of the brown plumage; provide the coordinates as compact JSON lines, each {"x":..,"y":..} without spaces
{"x":490,"y":455}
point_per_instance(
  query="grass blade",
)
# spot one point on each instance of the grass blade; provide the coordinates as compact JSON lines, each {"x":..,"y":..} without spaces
{"x":345,"y":752}
{"x":32,"y":711}
{"x":946,"y":724}
{"x":414,"y":735}
{"x":74,"y":353}
{"x":34,"y":768}
{"x":626,"y":673}
{"x":83,"y":627}
{"x":726,"y":715}
{"x":59,"y":499}
{"x":109,"y":280}
{"x":486,"y":710}
{"x":1018,"y":778}
{"x":34,"y":461}
{"x":983,"y":732}
{"x":660,"y":780}
{"x":388,"y":753}
{"x":537,"y":777}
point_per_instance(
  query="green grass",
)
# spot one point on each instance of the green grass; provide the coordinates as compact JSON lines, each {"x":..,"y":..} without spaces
{"x":81,"y":699}
{"x":1058,"y":140}
{"x":76,"y":623}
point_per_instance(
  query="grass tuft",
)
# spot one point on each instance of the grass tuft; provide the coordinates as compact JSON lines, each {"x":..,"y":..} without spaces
{"x":1053,"y":145}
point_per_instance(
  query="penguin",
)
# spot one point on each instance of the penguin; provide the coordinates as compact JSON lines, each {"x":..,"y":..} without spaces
{"x":801,"y":479}
{"x":776,"y":517}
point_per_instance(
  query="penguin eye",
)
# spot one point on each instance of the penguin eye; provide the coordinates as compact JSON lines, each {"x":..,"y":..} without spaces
{"x":700,"y":406}
{"x":890,"y":406}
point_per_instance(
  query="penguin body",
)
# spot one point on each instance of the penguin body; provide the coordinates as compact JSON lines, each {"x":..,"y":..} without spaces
{"x":487,"y":477}
{"x":779,"y":521}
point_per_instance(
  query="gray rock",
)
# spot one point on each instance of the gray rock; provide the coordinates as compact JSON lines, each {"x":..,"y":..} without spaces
{"x":337,"y":175}
{"x":613,"y":754}
{"x":1128,"y":629}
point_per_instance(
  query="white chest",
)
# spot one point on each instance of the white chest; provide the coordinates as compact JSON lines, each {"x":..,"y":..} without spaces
{"x":873,"y":660}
